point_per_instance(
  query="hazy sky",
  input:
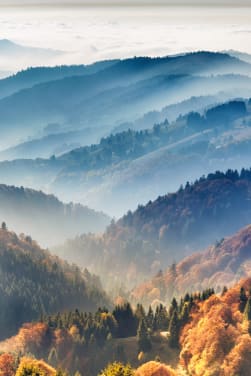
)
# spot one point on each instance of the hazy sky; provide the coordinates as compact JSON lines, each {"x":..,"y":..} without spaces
{"x":151,"y":2}
{"x":88,"y":34}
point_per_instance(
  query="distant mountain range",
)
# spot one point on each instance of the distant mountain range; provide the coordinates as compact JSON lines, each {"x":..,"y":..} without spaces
{"x":119,"y":92}
{"x":14,"y":55}
{"x":187,"y":114}
{"x":11,"y":48}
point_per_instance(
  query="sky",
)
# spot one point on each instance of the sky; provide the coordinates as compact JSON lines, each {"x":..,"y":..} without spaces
{"x":87,"y":34}
{"x":130,"y":2}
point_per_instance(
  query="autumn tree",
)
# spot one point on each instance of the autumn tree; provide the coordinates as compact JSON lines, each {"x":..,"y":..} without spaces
{"x":155,"y":369}
{"x":7,"y":364}
{"x":117,"y":369}
{"x":33,"y":367}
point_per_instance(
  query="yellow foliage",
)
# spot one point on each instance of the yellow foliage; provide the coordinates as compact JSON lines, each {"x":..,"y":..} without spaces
{"x":33,"y":367}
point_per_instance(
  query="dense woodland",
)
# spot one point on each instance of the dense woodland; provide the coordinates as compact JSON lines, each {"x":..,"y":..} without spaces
{"x":84,"y":342}
{"x":211,"y":335}
{"x":34,"y":283}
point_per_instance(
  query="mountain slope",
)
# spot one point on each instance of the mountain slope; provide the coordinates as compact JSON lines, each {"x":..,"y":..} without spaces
{"x":33,"y":282}
{"x":167,"y":229}
{"x":48,"y":219}
{"x":32,"y":76}
{"x":51,"y":144}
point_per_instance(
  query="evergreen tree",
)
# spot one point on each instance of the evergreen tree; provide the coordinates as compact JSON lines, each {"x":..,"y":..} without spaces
{"x":140,"y":312}
{"x":127,"y":322}
{"x":150,"y":318}
{"x":243,"y":300}
{"x":4,"y":226}
{"x":247,"y":314}
{"x":184,"y":316}
{"x":161,"y":318}
{"x":174,"y":330}
{"x":173,"y":307}
{"x":144,"y":341}
{"x":224,"y":291}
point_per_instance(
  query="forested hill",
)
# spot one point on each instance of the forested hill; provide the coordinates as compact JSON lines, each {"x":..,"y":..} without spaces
{"x":48,"y":219}
{"x":167,"y":229}
{"x":33,"y":283}
{"x":221,"y":264}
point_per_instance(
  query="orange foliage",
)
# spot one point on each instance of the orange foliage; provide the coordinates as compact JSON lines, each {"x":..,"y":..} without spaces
{"x":7,"y":365}
{"x":238,"y":361}
{"x":29,"y":338}
{"x":155,"y":369}
{"x":214,"y":342}
{"x":119,"y":300}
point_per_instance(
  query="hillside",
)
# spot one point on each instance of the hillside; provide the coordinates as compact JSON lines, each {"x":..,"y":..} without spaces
{"x":48,"y":219}
{"x":132,"y":167}
{"x":165,"y":230}
{"x":173,"y":111}
{"x":222,"y":264}
{"x":34,"y":283}
{"x":54,"y":141}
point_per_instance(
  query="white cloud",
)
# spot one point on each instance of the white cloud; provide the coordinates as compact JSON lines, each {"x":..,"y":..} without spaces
{"x":91,"y":33}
